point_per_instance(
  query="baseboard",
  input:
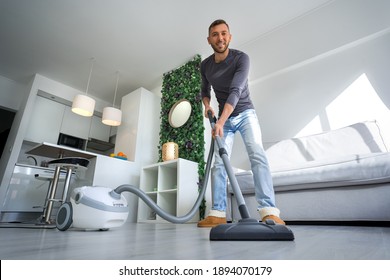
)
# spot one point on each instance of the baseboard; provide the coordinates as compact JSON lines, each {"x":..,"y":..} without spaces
{"x":19,"y":216}
{"x":342,"y":223}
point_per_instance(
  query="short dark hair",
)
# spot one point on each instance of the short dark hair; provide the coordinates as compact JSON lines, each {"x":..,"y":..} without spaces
{"x":217,"y":22}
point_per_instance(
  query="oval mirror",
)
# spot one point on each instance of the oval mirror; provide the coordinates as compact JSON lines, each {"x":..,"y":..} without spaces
{"x":179,"y":113}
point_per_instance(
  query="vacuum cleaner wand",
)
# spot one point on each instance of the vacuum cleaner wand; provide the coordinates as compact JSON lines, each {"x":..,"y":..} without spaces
{"x":247,"y":228}
{"x":229,"y":170}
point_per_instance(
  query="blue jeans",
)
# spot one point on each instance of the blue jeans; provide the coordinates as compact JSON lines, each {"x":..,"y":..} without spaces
{"x":248,"y":126}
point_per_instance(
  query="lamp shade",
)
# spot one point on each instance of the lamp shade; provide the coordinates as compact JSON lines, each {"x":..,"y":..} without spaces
{"x":112,"y":116}
{"x":83,"y":105}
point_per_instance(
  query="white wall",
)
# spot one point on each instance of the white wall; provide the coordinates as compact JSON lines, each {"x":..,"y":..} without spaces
{"x":12,"y":97}
{"x":321,"y":71}
{"x":8,"y":158}
{"x":11,"y":94}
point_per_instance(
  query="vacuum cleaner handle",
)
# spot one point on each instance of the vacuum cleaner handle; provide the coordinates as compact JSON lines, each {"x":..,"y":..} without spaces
{"x":212,"y":119}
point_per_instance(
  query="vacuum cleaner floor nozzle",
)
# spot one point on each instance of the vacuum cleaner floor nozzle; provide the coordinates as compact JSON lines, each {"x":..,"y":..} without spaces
{"x":251,"y":231}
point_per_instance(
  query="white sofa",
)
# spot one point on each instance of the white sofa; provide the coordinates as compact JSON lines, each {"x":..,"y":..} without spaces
{"x":340,"y":175}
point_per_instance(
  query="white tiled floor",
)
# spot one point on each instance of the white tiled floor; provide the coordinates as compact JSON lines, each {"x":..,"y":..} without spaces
{"x":186,"y":241}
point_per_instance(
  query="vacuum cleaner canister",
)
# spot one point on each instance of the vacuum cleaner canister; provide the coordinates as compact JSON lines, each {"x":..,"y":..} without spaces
{"x":93,"y":207}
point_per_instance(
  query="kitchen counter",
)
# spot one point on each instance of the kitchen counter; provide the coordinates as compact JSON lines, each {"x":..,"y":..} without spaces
{"x":58,"y":151}
{"x":33,"y":166}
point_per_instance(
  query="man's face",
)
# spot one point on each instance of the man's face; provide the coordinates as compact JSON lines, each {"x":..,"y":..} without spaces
{"x":219,"y":38}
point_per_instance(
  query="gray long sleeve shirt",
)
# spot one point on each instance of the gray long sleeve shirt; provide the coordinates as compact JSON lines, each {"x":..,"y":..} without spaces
{"x":229,"y":80}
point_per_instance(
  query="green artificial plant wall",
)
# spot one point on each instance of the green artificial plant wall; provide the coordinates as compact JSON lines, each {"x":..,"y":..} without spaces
{"x":184,"y":82}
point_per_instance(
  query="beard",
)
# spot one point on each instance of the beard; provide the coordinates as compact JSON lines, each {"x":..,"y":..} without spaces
{"x":220,"y":49}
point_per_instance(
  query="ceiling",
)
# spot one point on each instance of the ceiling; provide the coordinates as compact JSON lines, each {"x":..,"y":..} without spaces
{"x":138,"y":40}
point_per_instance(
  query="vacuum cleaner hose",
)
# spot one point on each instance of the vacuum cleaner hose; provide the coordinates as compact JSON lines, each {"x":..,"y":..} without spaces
{"x":159,"y":211}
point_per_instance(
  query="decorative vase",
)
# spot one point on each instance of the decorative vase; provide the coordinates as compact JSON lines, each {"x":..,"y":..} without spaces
{"x":170,"y":151}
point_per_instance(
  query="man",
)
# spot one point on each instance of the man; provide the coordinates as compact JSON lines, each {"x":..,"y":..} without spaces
{"x":226,"y":71}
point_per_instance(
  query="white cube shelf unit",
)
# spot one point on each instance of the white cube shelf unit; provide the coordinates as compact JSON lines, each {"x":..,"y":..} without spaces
{"x":173,"y":185}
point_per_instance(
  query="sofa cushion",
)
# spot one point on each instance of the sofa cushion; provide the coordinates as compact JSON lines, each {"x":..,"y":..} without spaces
{"x":359,"y":138}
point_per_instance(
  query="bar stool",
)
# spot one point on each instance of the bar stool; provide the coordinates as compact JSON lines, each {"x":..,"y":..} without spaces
{"x":49,"y":179}
{"x":69,"y":164}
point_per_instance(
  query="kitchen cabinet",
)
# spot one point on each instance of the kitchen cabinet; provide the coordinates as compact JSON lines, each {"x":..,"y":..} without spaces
{"x":172,"y":185}
{"x":45,"y":121}
{"x":49,"y":118}
{"x":75,"y":125}
{"x":99,"y":130}
{"x":138,"y":135}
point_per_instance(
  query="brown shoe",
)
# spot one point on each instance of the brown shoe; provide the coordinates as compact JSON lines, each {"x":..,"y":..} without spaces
{"x":276,"y":219}
{"x":211,"y":221}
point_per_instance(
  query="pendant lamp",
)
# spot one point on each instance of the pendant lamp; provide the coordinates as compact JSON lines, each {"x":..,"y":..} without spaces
{"x":82,"y":104}
{"x":111,"y":115}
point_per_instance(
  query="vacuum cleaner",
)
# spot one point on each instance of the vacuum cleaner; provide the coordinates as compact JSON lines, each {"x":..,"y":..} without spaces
{"x":93,"y":208}
{"x":103,"y":208}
